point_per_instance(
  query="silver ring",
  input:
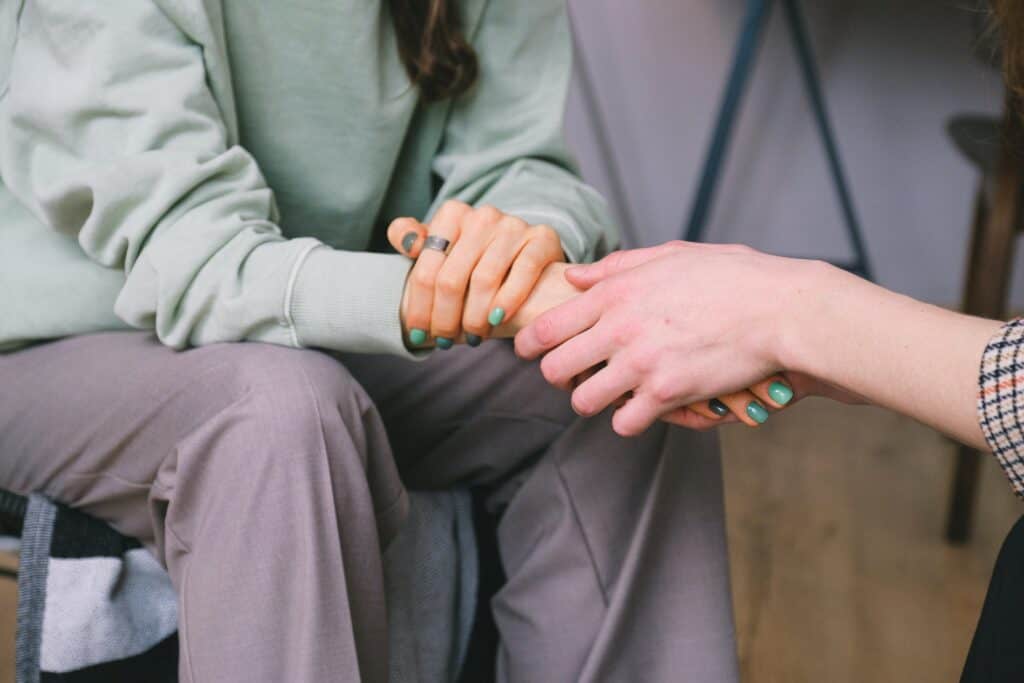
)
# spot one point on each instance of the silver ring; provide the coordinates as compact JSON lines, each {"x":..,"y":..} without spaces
{"x":436,"y":243}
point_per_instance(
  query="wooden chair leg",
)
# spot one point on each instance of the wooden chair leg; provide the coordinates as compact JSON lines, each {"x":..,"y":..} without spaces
{"x":965,"y":491}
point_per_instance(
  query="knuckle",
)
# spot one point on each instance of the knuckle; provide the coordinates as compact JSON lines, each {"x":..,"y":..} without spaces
{"x":620,"y":335}
{"x":451,"y":211}
{"x":663,"y":390}
{"x":423,"y":278}
{"x":544,"y":232}
{"x":529,"y":262}
{"x":642,"y":360}
{"x":450,"y":284}
{"x":544,"y":329}
{"x":485,"y":278}
{"x":487,"y":214}
{"x":454,"y":205}
{"x":513,"y":225}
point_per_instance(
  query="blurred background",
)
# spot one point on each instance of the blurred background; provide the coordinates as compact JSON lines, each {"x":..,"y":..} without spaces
{"x":837,"y":516}
{"x":840,"y":566}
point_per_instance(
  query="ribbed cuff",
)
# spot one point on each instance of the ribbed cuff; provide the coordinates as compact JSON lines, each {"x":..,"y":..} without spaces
{"x":349,"y":301}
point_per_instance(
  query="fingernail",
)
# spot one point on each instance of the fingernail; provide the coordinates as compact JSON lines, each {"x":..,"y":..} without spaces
{"x":443,"y":343}
{"x":473,"y":340}
{"x":780,"y":393}
{"x":496,"y":316}
{"x":417,"y":336}
{"x":718,"y":408}
{"x":757,"y":412}
{"x":409,"y":240}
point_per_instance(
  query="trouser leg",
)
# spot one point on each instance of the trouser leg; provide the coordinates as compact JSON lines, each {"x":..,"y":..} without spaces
{"x":614,"y":548}
{"x":260,"y":476}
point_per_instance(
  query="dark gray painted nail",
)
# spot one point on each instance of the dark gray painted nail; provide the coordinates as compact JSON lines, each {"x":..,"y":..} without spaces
{"x":718,"y":408}
{"x":409,"y":240}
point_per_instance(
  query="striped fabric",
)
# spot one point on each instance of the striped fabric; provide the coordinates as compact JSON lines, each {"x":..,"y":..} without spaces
{"x":1001,"y":401}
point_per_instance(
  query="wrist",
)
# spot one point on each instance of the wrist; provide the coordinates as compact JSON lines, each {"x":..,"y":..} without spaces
{"x":815,"y":305}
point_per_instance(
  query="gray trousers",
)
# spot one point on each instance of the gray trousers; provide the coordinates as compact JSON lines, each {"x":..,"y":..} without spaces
{"x":268,"y":480}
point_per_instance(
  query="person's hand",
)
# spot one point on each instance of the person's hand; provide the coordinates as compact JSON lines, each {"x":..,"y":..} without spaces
{"x":552,"y":290}
{"x":791,"y":388}
{"x":674,"y":327}
{"x":493,"y":263}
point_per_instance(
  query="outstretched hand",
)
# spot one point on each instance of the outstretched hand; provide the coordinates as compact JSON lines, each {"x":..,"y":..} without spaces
{"x":670,"y":338}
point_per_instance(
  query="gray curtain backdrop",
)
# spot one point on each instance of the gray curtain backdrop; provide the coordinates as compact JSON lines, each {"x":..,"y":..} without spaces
{"x":893,"y":73}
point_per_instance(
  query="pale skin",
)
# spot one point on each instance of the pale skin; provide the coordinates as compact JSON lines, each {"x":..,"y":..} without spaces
{"x":493,"y":264}
{"x":675,"y":325}
{"x":498,"y":262}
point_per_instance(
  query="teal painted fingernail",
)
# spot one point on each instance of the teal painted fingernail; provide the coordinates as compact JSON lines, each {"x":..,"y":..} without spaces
{"x":757,"y":412}
{"x":417,"y":336}
{"x":473,"y":340}
{"x":496,"y":316}
{"x":408,"y":241}
{"x":718,"y":408}
{"x":780,"y":393}
{"x":443,"y":343}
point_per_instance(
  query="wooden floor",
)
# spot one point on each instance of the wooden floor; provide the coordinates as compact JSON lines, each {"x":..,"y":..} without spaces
{"x":838,"y":565}
{"x":839,"y":569}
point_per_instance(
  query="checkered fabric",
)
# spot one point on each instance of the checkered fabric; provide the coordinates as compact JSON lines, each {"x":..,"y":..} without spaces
{"x":1001,"y":401}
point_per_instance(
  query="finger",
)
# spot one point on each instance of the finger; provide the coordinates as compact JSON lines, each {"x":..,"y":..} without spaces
{"x":746,"y":407}
{"x":541,"y":249}
{"x":774,"y":392}
{"x":576,"y":356}
{"x":703,"y":408}
{"x":486,"y":279}
{"x":583,"y":377}
{"x":406,"y":235}
{"x":452,"y":282}
{"x":636,"y":415}
{"x":422,"y":280}
{"x":587,"y":276}
{"x":604,"y":388}
{"x":559,"y":324}
{"x":689,"y":418}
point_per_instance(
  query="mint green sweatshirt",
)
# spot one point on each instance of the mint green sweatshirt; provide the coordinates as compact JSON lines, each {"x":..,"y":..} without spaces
{"x":221,"y":172}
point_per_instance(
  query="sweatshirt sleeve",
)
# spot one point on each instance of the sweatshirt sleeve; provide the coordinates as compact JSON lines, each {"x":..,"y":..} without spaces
{"x":503,"y":143}
{"x":109,"y":131}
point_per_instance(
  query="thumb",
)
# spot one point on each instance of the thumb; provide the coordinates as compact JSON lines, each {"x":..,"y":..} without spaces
{"x":406,"y":235}
{"x":589,"y":275}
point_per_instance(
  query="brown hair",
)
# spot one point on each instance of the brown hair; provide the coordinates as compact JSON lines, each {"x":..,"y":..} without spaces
{"x":433,"y":48}
{"x":1010,"y":18}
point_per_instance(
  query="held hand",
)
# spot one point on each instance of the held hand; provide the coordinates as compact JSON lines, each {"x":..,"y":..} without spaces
{"x":492,"y":264}
{"x":791,"y":388}
{"x":673,"y":326}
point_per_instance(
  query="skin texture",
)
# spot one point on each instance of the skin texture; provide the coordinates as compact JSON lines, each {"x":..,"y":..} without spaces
{"x":551,"y":290}
{"x":669,"y":339}
{"x":494,"y":261}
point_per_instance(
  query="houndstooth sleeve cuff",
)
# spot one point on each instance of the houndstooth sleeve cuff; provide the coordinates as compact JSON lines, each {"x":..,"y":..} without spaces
{"x":1001,"y":401}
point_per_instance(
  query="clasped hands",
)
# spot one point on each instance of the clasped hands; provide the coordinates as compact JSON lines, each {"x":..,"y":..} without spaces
{"x":635,"y":330}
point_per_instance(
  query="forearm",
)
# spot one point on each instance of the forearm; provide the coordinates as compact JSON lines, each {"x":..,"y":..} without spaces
{"x":905,"y":355}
